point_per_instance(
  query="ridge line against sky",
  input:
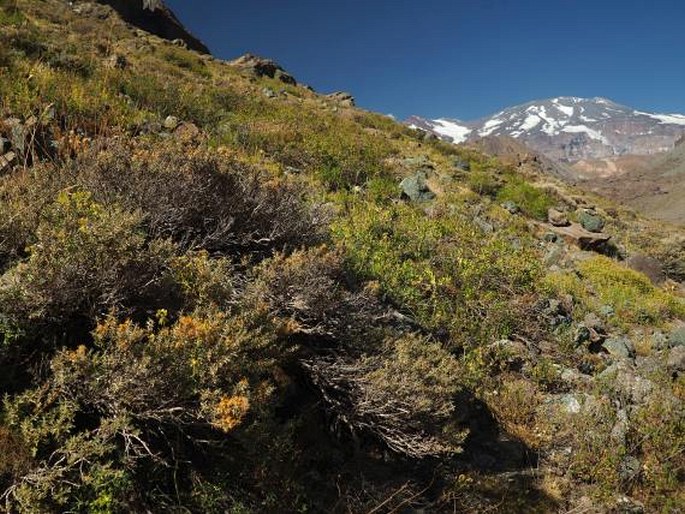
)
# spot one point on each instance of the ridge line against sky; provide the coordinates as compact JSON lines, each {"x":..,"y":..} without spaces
{"x":463,"y":59}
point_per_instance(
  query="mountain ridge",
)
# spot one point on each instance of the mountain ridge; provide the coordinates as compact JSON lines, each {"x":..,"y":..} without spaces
{"x":568,"y":128}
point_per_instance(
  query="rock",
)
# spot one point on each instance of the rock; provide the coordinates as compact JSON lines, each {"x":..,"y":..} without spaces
{"x":623,"y":378}
{"x":593,"y":322}
{"x":550,"y":237}
{"x":5,"y":145}
{"x":676,"y":359}
{"x":17,"y":134}
{"x":116,"y":61}
{"x":648,"y":266}
{"x":625,"y":505}
{"x":7,"y":161}
{"x":607,"y":311}
{"x":677,"y":337}
{"x":171,"y":122}
{"x":269,"y":93}
{"x":486,"y":227}
{"x":570,"y":404}
{"x":154,"y":17}
{"x":416,"y":189}
{"x":629,"y":468}
{"x":582,"y":335}
{"x":511,"y":207}
{"x":620,"y":428}
{"x":342,"y":98}
{"x":262,"y":68}
{"x":422,"y":164}
{"x":575,"y":234}
{"x":557,"y":218}
{"x":462,"y":164}
{"x":187,"y":132}
{"x":590,"y":221}
{"x":179,"y":42}
{"x":619,"y":347}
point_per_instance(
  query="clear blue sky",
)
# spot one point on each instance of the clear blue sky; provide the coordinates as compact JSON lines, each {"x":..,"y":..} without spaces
{"x":459,"y":58}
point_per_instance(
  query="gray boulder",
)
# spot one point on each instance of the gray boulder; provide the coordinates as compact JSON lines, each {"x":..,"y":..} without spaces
{"x":591,"y":221}
{"x":676,"y":359}
{"x":619,"y":347}
{"x":415,"y":188}
{"x":557,"y":218}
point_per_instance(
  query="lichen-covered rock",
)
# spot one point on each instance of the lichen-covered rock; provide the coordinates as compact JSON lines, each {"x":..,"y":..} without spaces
{"x":591,"y":221}
{"x":415,"y":188}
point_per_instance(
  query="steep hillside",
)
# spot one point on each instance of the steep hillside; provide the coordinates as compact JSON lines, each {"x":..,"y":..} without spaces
{"x":223,"y":292}
{"x":570,"y":128}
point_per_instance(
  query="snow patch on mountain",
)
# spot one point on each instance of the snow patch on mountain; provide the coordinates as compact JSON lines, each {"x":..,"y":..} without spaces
{"x":593,"y":134}
{"x":569,"y":128}
{"x":458,"y":133}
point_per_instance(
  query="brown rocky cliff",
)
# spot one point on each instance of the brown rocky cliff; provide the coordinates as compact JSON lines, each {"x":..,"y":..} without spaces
{"x":155,"y":17}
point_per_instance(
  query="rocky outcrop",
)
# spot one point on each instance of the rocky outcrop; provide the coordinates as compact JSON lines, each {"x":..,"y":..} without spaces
{"x":262,"y":67}
{"x":155,"y":17}
{"x":342,"y":98}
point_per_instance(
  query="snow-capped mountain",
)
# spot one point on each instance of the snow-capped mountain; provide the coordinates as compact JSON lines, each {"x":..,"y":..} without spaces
{"x":569,"y":128}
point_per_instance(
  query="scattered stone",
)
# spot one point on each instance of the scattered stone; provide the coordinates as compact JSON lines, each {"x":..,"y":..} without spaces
{"x":593,"y":322}
{"x":557,"y":218}
{"x":268,"y":92}
{"x":171,"y":122}
{"x":462,"y":164}
{"x":263,"y":68}
{"x":676,"y":360}
{"x":625,"y":505}
{"x":342,"y":98}
{"x":570,"y":404}
{"x":627,"y":382}
{"x":511,"y":207}
{"x":187,"y":131}
{"x":607,"y":311}
{"x":629,"y":468}
{"x":677,"y":337}
{"x":116,"y":61}
{"x":421,"y":163}
{"x":486,"y":227}
{"x":590,"y":221}
{"x":582,"y":335}
{"x":416,"y":189}
{"x":619,"y":431}
{"x":575,"y":234}
{"x":179,"y":42}
{"x":7,"y":161}
{"x":619,"y":347}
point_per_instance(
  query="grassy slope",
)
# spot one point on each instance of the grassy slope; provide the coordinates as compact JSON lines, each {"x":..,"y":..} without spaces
{"x":464,"y":271}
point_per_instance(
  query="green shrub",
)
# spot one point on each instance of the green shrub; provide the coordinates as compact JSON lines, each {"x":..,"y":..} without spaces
{"x":86,"y":260}
{"x":533,"y":201}
{"x":603,"y":281}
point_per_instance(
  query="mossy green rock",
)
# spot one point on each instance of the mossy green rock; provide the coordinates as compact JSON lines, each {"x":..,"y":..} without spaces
{"x":416,"y":189}
{"x":591,"y":222}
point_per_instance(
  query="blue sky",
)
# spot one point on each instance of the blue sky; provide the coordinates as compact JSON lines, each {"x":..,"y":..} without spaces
{"x":459,"y":58}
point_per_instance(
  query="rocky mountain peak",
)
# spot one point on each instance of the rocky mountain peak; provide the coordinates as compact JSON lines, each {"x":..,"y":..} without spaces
{"x":570,"y":128}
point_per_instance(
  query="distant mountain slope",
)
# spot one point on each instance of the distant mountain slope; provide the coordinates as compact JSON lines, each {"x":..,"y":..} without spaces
{"x":513,"y":151}
{"x":569,"y":128}
{"x":656,"y":188}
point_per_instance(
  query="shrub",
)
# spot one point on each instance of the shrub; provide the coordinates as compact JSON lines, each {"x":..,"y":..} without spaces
{"x":603,"y":281}
{"x":86,"y":259}
{"x":532,"y":201}
{"x":203,"y":202}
